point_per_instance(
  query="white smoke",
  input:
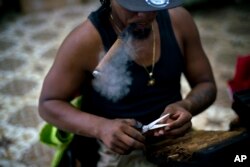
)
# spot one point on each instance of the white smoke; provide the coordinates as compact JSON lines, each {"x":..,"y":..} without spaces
{"x":115,"y":79}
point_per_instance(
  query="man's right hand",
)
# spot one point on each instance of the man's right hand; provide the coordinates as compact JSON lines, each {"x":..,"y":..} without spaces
{"x":120,"y":135}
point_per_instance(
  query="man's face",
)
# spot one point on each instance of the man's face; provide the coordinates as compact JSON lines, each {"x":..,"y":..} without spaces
{"x":141,"y":21}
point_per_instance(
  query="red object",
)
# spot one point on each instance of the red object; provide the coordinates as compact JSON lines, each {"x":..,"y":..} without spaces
{"x":241,"y":80}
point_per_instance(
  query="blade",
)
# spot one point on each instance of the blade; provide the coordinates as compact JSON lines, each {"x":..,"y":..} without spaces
{"x":158,"y":126}
{"x":158,"y":120}
{"x":148,"y":127}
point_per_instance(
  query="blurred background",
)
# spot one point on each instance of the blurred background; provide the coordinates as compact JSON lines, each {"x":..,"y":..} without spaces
{"x":31,"y":32}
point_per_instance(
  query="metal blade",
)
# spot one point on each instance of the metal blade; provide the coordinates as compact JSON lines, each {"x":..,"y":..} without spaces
{"x":158,"y":126}
{"x":158,"y":120}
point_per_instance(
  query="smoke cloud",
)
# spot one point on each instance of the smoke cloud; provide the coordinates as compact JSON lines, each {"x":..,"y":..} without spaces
{"x":115,"y":79}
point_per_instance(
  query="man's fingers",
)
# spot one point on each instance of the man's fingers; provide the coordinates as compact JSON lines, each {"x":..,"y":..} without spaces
{"x":125,"y":144}
{"x":134,"y":140}
{"x":180,"y":130}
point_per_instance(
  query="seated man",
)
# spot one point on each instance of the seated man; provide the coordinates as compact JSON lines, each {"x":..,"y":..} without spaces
{"x":153,"y":43}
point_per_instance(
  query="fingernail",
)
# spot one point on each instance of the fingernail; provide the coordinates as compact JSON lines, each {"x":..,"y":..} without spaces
{"x":166,"y":128}
{"x":161,"y":132}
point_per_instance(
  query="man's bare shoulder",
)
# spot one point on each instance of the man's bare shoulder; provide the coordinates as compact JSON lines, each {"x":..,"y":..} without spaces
{"x":84,"y":36}
{"x":183,"y":22}
{"x":82,"y":44}
{"x":180,"y":16}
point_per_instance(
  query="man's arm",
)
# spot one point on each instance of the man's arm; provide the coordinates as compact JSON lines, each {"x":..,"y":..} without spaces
{"x":65,"y":79}
{"x":198,"y":69}
{"x":198,"y":72}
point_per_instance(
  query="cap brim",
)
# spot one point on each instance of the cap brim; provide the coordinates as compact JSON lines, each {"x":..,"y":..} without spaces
{"x":143,"y":6}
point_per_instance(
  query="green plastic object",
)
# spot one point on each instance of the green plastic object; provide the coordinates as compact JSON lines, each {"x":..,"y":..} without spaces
{"x":56,"y":138}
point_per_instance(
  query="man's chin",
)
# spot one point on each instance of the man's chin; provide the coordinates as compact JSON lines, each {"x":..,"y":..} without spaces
{"x":141,"y":33}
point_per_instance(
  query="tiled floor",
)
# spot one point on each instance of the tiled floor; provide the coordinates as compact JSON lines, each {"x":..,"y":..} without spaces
{"x":28,"y":44}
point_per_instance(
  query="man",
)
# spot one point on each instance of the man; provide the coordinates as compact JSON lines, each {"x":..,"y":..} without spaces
{"x":157,"y":42}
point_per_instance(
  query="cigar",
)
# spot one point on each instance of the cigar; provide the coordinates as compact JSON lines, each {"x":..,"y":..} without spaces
{"x":123,"y":38}
{"x":112,"y":52}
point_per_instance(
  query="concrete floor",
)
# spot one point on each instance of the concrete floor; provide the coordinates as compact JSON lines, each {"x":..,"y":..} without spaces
{"x":28,"y":44}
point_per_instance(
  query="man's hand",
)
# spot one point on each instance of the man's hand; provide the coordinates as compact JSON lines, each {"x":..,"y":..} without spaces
{"x":121,"y":136}
{"x":179,"y":121}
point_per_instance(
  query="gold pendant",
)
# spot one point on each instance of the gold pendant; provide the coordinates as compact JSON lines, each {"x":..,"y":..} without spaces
{"x":151,"y":82}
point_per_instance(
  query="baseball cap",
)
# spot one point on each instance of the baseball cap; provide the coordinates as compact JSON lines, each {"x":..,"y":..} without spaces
{"x":149,"y":5}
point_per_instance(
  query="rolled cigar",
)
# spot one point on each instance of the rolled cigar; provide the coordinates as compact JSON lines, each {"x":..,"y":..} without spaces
{"x":111,"y":52}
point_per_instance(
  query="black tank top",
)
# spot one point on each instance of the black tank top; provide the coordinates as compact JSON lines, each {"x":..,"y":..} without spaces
{"x":144,"y":103}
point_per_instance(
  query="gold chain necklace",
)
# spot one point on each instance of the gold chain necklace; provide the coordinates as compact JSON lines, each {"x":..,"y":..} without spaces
{"x":115,"y":25}
{"x":151,"y":81}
